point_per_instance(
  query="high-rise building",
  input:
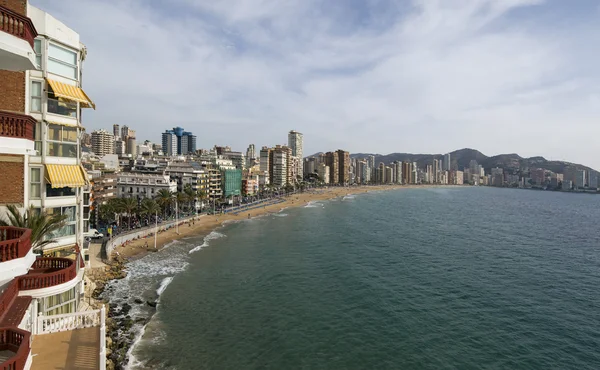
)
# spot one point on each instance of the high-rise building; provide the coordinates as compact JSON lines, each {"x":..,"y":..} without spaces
{"x":177,"y":141}
{"x":323,"y":172}
{"x":278,"y":172}
{"x":116,"y":130}
{"x":295,"y":142}
{"x":131,"y":146}
{"x":126,"y":133}
{"x":332,"y":161}
{"x":344,"y":167}
{"x":102,"y":143}
{"x":381,"y":173}
{"x":407,"y":173}
{"x":580,"y":179}
{"x":447,"y":162}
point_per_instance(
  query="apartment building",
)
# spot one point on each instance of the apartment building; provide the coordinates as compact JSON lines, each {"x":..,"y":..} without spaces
{"x":56,"y":100}
{"x":143,"y":185}
{"x":189,"y":173}
{"x":35,"y":288}
{"x":102,"y":143}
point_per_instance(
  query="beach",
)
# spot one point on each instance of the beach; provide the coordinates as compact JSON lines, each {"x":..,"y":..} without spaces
{"x":204,"y":224}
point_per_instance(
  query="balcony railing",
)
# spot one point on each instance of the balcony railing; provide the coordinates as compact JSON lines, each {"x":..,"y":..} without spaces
{"x":16,"y":125}
{"x":17,"y":25}
{"x":17,"y":341}
{"x":8,"y":296}
{"x":15,"y":242}
{"x":48,"y":272}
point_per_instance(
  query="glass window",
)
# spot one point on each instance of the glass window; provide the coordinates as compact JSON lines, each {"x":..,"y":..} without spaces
{"x":37,"y":48}
{"x":36,"y":96}
{"x":69,"y":228}
{"x":35,"y":182}
{"x":59,"y":192}
{"x":62,"y":141}
{"x":62,"y":61}
{"x":37,"y":136}
{"x":61,"y":106}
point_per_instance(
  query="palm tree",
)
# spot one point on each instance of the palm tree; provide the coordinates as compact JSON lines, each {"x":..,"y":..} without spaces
{"x":190,"y":195}
{"x":201,"y":196}
{"x":129,"y":205}
{"x":181,"y":199}
{"x":41,"y":224}
{"x":149,"y":207}
{"x":164,"y":198}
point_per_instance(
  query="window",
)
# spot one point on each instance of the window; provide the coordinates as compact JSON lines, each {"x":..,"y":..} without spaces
{"x":61,"y":106}
{"x":36,"y":96}
{"x":59,"y":192}
{"x":37,"y":48}
{"x":62,"y":141}
{"x":35,"y":182}
{"x":62,"y":62}
{"x":37,"y":136}
{"x":69,"y":228}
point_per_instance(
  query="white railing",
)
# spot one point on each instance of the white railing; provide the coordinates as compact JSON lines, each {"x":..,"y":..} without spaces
{"x":76,"y":320}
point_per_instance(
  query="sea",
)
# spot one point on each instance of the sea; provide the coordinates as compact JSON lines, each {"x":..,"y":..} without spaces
{"x":426,"y":278}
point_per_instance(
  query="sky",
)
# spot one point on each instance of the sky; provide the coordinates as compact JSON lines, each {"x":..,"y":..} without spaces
{"x":376,"y":76}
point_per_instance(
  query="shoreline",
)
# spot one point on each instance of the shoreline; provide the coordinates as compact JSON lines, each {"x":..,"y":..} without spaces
{"x":205,"y":224}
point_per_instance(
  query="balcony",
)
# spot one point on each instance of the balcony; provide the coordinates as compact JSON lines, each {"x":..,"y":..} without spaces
{"x":16,"y":41}
{"x":16,"y":126}
{"x":47,"y":272}
{"x":15,"y":345}
{"x":15,"y":243}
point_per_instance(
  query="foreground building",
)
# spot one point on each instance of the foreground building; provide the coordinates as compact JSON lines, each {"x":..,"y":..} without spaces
{"x":40,"y":106}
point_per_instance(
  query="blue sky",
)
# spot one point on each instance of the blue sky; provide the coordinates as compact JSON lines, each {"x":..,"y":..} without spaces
{"x":423,"y":76}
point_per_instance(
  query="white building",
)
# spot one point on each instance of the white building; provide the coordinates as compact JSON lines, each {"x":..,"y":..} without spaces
{"x":295,"y":142}
{"x":143,"y":185}
{"x":40,"y":160}
{"x":55,"y":99}
{"x":280,"y":170}
{"x":103,"y":143}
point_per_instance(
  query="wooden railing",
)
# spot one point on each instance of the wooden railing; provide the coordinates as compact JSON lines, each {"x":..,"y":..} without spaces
{"x":17,"y":341}
{"x":17,"y":25}
{"x":15,"y":242}
{"x":18,"y":126}
{"x":38,"y":278}
{"x":8,"y":296}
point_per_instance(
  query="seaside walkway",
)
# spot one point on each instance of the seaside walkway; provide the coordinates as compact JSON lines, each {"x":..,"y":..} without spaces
{"x":67,"y":350}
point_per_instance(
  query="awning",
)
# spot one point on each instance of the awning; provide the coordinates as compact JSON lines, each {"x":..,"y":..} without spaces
{"x":65,"y":176}
{"x":71,"y":92}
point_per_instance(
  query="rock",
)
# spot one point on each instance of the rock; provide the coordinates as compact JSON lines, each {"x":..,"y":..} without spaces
{"x":151,"y":304}
{"x":138,"y":301}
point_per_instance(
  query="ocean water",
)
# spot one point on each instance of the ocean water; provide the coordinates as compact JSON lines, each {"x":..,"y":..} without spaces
{"x":441,"y":278}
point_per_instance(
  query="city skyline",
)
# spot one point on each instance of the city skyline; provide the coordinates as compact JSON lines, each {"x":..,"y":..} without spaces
{"x":502,"y":76}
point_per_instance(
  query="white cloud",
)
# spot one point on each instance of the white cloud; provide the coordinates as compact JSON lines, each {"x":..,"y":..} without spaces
{"x":426,"y":76}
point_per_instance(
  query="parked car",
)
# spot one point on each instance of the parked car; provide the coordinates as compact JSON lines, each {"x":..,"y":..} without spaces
{"x":93,"y":234}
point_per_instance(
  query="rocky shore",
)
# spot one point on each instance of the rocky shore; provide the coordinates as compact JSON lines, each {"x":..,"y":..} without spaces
{"x":119,"y":337}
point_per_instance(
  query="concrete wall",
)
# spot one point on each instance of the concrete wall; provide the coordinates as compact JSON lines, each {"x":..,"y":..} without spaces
{"x":112,"y":244}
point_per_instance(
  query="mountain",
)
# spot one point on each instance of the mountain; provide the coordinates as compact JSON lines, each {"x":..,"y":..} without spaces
{"x":462,"y":157}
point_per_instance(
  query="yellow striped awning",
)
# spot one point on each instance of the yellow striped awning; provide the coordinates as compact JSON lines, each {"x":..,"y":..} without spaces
{"x":71,"y":92}
{"x":65,"y":176}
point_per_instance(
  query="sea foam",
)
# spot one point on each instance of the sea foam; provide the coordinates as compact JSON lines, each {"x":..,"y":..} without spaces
{"x":213,"y":235}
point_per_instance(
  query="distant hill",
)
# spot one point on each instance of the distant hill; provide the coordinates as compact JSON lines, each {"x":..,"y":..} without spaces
{"x":461,"y":158}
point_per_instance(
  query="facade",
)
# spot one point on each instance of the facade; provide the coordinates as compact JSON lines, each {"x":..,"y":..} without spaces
{"x":232,"y":182}
{"x":278,"y":172}
{"x":177,"y":141}
{"x":54,"y":97}
{"x":116,"y":131}
{"x":447,"y":162}
{"x":102,"y":143}
{"x":344,"y":167}
{"x":215,"y":190}
{"x":189,"y":173}
{"x":143,"y":185}
{"x":323,"y":173}
{"x":332,"y":161}
{"x":295,"y":142}
{"x":40,"y":63}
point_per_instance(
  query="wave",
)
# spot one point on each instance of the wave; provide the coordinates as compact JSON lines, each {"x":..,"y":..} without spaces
{"x":312,"y":204}
{"x":348,"y":196}
{"x":280,"y":214}
{"x":213,"y":235}
{"x":163,"y":285}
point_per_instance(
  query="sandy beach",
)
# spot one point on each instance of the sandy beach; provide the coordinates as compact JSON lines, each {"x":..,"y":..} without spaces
{"x":204,"y":224}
